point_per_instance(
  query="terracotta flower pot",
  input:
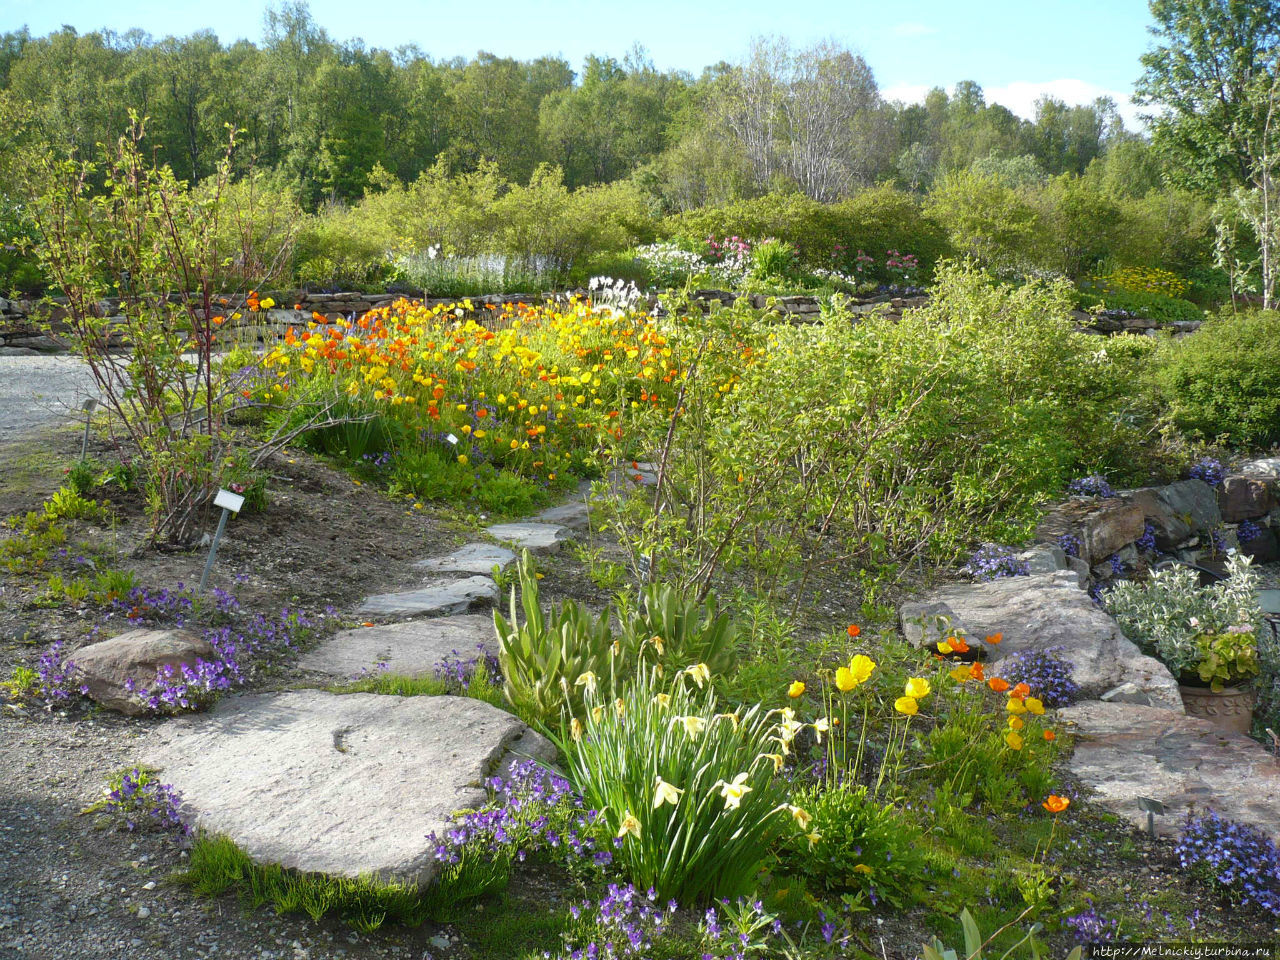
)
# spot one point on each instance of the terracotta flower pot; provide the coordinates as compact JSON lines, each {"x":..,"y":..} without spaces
{"x":1230,"y":710}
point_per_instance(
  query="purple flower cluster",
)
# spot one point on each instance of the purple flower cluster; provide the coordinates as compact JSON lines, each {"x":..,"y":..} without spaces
{"x":624,"y":923}
{"x":459,"y":670}
{"x":57,"y":675}
{"x":1209,"y":470}
{"x":1147,"y":542}
{"x":1218,"y":538}
{"x":377,"y":461}
{"x":1094,"y":485}
{"x":1045,"y":672}
{"x":149,"y":606}
{"x":992,"y":562}
{"x":1117,"y":565}
{"x":239,"y":651}
{"x":1091,"y":927}
{"x":1237,"y":858}
{"x":1248,"y":531}
{"x":144,"y":801}
{"x":1070,"y":545}
{"x":530,"y":810}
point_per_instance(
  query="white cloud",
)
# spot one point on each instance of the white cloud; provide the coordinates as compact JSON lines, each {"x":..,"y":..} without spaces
{"x":913,"y":29}
{"x":1021,"y":95}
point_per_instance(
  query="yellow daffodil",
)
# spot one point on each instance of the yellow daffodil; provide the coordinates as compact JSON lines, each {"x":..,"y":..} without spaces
{"x":735,"y":791}
{"x":813,"y":838}
{"x":665,"y":793}
{"x":658,"y":645}
{"x":575,"y":729}
{"x":917,"y":688}
{"x":596,"y":713}
{"x":693,"y":725}
{"x":662,"y":699}
{"x":907,"y":705}
{"x":731,"y":717}
{"x":619,"y":708}
{"x":700,"y":673}
{"x":800,"y":816}
{"x":777,"y":759}
{"x":629,"y":825}
{"x":587,"y":680}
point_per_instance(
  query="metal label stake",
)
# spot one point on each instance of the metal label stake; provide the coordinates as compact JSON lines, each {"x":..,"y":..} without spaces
{"x":230,"y":503}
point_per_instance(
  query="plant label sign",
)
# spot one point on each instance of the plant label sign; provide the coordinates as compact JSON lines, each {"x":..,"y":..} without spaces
{"x":228,"y":501}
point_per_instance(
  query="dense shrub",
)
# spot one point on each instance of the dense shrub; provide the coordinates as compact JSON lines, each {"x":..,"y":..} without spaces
{"x":1222,"y":381}
{"x":1139,"y":303}
{"x":986,"y":219}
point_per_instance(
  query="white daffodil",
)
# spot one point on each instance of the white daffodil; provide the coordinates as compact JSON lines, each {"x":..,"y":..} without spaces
{"x":735,"y":791}
{"x":629,"y":825}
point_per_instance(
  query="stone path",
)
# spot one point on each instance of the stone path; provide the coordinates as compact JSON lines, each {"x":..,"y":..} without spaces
{"x":436,"y":598}
{"x":342,"y":784}
{"x":1125,"y":751}
{"x":473,"y":558}
{"x":410,"y":649}
{"x":532,"y":536}
{"x":38,"y":390}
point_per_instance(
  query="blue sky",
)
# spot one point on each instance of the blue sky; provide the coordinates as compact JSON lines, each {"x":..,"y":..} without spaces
{"x":1015,"y":50}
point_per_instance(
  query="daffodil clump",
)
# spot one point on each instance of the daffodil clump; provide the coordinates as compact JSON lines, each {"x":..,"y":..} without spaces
{"x":690,"y":788}
{"x":537,"y":390}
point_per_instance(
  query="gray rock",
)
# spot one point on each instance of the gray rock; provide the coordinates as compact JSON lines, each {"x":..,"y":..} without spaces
{"x":345,"y":785}
{"x":106,"y":667}
{"x":1268,"y":467}
{"x":1179,"y":511}
{"x":1044,"y":559}
{"x":534,"y":537}
{"x":1081,"y":570}
{"x":1101,"y":526}
{"x":409,"y":649}
{"x":435,"y":599}
{"x":1126,"y":693}
{"x":1039,"y":611}
{"x":473,"y":558}
{"x":574,"y":515}
{"x":1125,"y":751}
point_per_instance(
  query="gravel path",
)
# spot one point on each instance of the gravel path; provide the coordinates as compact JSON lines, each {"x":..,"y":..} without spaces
{"x":40,"y":390}
{"x":73,"y":887}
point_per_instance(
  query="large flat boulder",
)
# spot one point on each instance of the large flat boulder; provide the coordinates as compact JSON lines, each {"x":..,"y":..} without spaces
{"x":107,"y":669}
{"x":410,"y":649}
{"x":436,"y":598}
{"x":1124,"y":751}
{"x":1039,"y":611}
{"x":1178,"y":512}
{"x":345,"y":785}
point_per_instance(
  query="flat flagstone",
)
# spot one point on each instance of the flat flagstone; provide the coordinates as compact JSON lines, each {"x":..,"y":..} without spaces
{"x":534,"y":537}
{"x":575,"y":515}
{"x":339,"y":784}
{"x":436,"y":598}
{"x":473,"y":558}
{"x":1125,"y":751}
{"x":410,"y":649}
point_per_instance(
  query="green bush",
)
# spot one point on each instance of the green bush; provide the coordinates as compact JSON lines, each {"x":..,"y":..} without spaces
{"x":986,"y":219}
{"x":1222,"y":381}
{"x":856,"y":843}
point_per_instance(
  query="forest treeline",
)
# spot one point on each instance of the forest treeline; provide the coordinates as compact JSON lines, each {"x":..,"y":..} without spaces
{"x":334,"y":118}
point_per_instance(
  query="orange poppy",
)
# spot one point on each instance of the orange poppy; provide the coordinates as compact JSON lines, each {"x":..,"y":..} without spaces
{"x":998,"y":684}
{"x":854,"y":630}
{"x":1050,"y":736}
{"x":1020,"y":692}
{"x":1056,"y":804}
{"x":975,"y":671}
{"x":958,"y":645}
{"x":995,"y":638}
